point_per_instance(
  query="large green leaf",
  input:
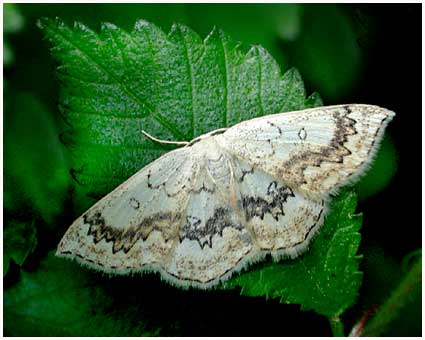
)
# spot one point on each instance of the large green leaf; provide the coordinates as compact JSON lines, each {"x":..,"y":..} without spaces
{"x":58,"y":300}
{"x":326,"y":278}
{"x":175,"y":86}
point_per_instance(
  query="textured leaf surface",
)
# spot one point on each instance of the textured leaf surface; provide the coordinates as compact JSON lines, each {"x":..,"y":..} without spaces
{"x":58,"y":300}
{"x":175,"y":86}
{"x":326,"y":278}
{"x":19,"y":240}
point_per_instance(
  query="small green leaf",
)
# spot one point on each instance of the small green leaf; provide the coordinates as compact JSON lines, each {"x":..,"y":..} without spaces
{"x":175,"y":86}
{"x":326,"y":278}
{"x":58,"y":300}
{"x":19,"y":241}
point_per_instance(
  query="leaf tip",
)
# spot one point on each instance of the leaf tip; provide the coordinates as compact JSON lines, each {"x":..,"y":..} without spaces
{"x":80,"y":26}
{"x":177,"y":27}
{"x":293,"y":73}
{"x":105,"y":26}
{"x":141,"y":24}
{"x":314,"y":100}
{"x":215,"y":34}
{"x":258,"y":51}
{"x":45,"y":23}
{"x":41,"y":22}
{"x":180,"y":28}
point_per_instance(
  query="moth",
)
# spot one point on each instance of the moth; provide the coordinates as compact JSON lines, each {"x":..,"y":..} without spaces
{"x":202,"y":212}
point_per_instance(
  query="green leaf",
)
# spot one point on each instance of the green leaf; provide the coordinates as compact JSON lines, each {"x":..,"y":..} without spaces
{"x":326,"y":50}
{"x":326,"y":278}
{"x":382,"y":272}
{"x":19,"y":241}
{"x":402,"y":306}
{"x":175,"y":86}
{"x":8,"y":56}
{"x":272,"y":21}
{"x":58,"y":300}
{"x":13,"y":22}
{"x":35,"y":166}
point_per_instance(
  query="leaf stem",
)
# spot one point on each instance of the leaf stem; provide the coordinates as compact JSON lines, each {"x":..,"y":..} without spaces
{"x":337,"y":326}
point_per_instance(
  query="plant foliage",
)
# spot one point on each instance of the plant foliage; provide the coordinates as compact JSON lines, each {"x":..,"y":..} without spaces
{"x":19,"y":241}
{"x":326,"y":278}
{"x":176,"y":86}
{"x":58,"y":300}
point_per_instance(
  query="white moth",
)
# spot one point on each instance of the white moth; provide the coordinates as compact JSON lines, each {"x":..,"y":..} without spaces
{"x":200,"y":213}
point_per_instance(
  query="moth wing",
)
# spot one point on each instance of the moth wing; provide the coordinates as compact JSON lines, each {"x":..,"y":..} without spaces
{"x":235,"y":216}
{"x":281,"y":220}
{"x":214,"y":241}
{"x":175,"y":216}
{"x":137,"y":224}
{"x":316,"y":150}
{"x":200,"y":213}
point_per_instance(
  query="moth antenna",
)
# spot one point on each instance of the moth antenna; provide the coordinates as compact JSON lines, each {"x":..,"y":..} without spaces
{"x":163,"y":141}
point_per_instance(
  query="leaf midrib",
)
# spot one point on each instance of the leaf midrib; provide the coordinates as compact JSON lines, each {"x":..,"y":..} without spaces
{"x":189,"y":68}
{"x":225,"y":81}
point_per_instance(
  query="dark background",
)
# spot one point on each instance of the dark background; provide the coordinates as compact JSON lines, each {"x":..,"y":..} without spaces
{"x":363,"y":53}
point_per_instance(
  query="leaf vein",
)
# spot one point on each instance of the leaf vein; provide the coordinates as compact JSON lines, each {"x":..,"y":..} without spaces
{"x":162,"y":120}
{"x":226,"y":81}
{"x":191,"y":87}
{"x":117,"y":116}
